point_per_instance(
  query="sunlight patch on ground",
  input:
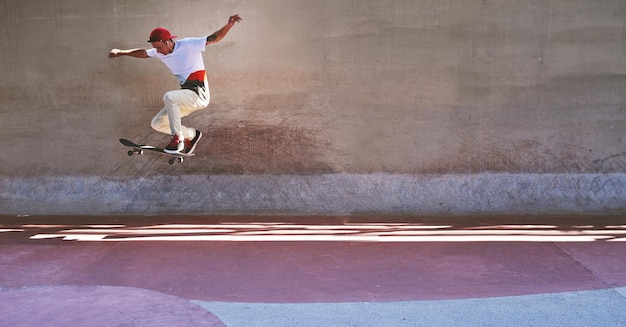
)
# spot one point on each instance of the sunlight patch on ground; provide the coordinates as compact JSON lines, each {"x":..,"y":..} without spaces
{"x":350,"y":232}
{"x":10,"y":230}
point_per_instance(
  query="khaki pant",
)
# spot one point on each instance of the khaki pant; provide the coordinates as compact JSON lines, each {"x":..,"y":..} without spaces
{"x":179,"y":104}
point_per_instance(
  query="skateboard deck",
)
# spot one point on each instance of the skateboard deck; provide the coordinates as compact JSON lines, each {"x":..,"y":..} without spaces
{"x":140,"y":148}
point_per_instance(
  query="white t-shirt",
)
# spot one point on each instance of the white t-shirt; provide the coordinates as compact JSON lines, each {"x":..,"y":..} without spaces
{"x":185,"y":60}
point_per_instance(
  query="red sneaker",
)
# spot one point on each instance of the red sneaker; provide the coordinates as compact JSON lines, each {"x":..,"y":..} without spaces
{"x":190,"y":144}
{"x":176,"y":145}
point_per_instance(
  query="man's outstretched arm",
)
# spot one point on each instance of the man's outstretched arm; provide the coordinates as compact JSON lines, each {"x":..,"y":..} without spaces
{"x":136,"y":53}
{"x":219,"y":34}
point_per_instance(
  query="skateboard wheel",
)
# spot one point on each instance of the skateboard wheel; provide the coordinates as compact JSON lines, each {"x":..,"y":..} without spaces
{"x":130,"y":153}
{"x":180,"y":159}
{"x":171,"y":161}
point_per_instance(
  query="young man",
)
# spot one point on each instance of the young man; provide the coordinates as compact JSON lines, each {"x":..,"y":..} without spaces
{"x":184,"y":60}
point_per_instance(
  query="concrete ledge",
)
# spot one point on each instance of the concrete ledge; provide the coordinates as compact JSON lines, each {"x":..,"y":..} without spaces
{"x":334,"y":194}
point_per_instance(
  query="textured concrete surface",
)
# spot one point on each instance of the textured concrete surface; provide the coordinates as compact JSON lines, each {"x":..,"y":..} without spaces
{"x":303,"y":87}
{"x":334,"y":194}
{"x":325,"y":107}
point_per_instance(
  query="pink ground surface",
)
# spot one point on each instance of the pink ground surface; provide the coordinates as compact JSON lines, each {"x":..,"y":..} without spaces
{"x":63,"y":262}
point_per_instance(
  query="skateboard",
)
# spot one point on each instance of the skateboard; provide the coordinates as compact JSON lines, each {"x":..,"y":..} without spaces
{"x":140,"y":148}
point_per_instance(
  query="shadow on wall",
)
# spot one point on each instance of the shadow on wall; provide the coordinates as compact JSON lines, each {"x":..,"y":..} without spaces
{"x":243,"y":148}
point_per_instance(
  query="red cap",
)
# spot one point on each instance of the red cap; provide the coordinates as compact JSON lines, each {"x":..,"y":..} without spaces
{"x":160,"y":34}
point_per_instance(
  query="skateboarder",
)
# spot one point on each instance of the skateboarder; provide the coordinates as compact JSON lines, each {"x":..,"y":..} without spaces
{"x":184,"y":59}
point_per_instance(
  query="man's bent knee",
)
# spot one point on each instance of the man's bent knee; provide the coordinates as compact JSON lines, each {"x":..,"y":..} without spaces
{"x":169,"y":97}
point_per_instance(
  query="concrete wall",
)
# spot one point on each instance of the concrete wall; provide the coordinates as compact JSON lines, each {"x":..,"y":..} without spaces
{"x":319,"y":87}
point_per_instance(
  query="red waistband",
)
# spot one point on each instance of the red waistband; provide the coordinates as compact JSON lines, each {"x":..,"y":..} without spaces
{"x":197,"y":76}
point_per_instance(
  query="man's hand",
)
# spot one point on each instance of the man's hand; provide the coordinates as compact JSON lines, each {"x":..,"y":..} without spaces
{"x":115,"y":53}
{"x":234,"y":19}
